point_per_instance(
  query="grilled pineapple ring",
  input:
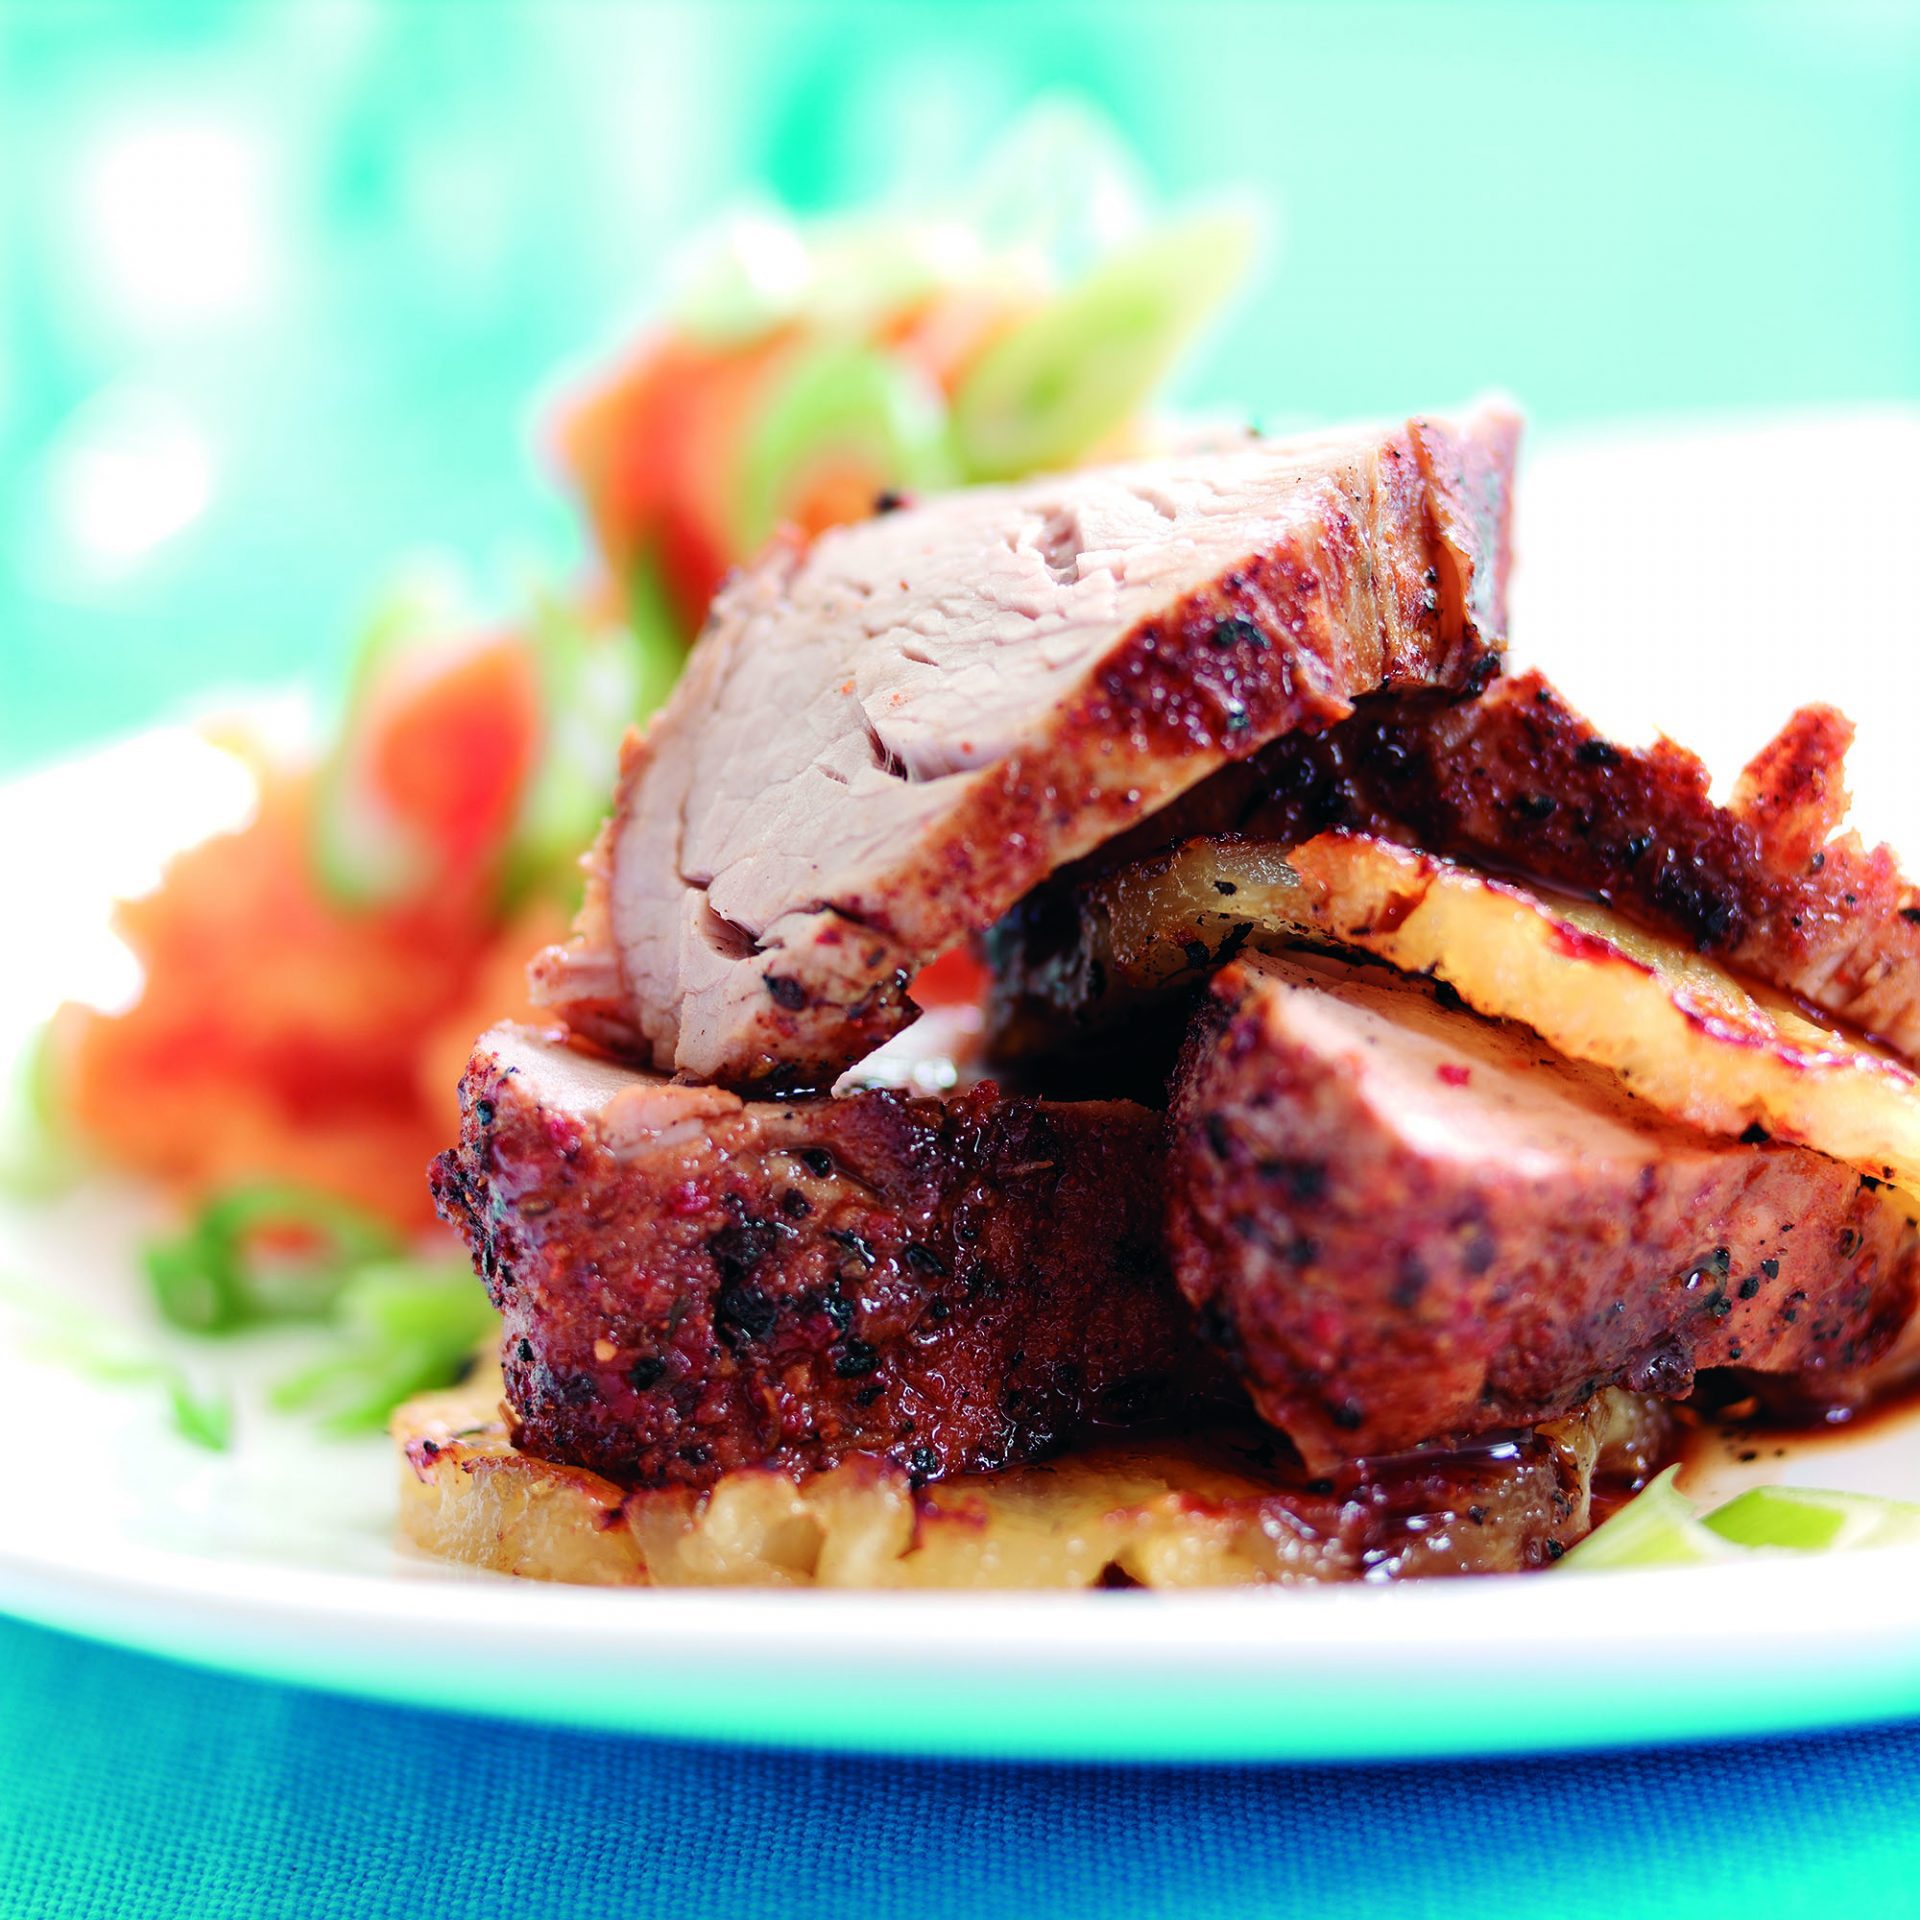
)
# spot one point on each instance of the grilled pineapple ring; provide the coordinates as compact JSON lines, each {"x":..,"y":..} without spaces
{"x":1679,"y":1031}
{"x":1162,"y":1513}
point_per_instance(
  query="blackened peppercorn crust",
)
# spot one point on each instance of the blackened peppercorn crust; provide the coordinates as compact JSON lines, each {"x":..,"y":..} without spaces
{"x":691,"y":1283}
{"x":1517,"y":781}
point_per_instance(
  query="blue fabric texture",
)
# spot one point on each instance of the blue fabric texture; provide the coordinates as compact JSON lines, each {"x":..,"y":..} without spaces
{"x":131,"y":1788}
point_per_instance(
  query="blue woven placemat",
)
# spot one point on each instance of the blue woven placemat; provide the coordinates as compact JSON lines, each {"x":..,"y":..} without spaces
{"x":131,"y":1789}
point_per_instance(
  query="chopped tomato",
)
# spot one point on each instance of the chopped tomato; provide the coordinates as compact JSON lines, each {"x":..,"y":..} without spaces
{"x":833,"y":492}
{"x":656,"y":449}
{"x":956,"y":979}
{"x":449,"y":746}
{"x":656,"y":454}
{"x":281,"y":1036}
{"x":610,"y":441}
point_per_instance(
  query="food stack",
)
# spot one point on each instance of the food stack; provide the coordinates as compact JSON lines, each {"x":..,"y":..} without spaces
{"x":1387,"y":1099}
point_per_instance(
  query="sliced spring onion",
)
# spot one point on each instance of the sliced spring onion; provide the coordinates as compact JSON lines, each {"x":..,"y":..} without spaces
{"x":404,"y":1327}
{"x":659,"y":650}
{"x":1057,"y":385}
{"x":362,"y":856}
{"x":867,"y":268}
{"x":840,"y":408}
{"x":1657,"y":1528}
{"x":593,"y":681}
{"x":1059,"y":186}
{"x":399,"y":1325}
{"x":37,"y":1157}
{"x":761,"y":273}
{"x":1661,"y":1528}
{"x":210,"y":1278}
{"x":1812,"y":1520}
{"x":742,"y":281}
{"x":205,"y":1419}
{"x":599,"y":675}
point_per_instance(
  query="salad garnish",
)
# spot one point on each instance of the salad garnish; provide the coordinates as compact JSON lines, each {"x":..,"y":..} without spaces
{"x":313,"y":980}
{"x":1661,"y":1527}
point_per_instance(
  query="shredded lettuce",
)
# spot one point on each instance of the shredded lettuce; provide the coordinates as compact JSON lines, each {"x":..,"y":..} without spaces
{"x":59,"y":1333}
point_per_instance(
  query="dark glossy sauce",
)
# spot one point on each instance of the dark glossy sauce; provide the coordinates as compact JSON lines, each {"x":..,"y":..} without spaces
{"x":1505,"y":1502}
{"x":1737,"y":1423}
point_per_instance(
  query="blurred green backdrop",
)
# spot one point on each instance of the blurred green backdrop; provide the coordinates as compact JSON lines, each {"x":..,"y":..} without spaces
{"x":310,"y":267}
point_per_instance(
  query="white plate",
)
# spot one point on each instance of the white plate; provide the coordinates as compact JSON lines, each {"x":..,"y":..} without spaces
{"x":1703,"y":581}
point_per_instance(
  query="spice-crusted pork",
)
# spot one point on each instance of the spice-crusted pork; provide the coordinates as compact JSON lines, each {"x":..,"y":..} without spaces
{"x":1402,"y":1222}
{"x":884,"y":739}
{"x":692,"y":1283}
{"x":1518,"y":780}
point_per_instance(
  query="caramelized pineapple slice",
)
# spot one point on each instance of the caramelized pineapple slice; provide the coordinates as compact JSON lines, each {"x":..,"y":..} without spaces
{"x":1200,"y":1512}
{"x":1681,"y":1032}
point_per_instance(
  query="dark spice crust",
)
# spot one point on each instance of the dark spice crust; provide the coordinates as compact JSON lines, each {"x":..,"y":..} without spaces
{"x":1372,"y":1296}
{"x":1768,"y":882}
{"x":1517,"y":781}
{"x":955,"y":1284}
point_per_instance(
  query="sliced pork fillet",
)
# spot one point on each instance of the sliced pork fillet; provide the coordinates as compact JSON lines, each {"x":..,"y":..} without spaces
{"x":1402,"y":1222}
{"x":884,"y":739}
{"x":692,"y":1283}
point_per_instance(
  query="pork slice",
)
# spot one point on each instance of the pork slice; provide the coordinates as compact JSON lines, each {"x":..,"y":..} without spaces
{"x":886,"y":738}
{"x":1772,"y":883}
{"x":693,"y":1283}
{"x":1402,"y":1222}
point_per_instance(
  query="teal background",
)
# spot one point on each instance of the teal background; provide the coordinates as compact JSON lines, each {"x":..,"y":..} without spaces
{"x":327,"y":258}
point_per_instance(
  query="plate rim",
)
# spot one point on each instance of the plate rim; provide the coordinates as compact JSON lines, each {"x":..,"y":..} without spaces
{"x":1643,"y":1657}
{"x":1556,"y":1661}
